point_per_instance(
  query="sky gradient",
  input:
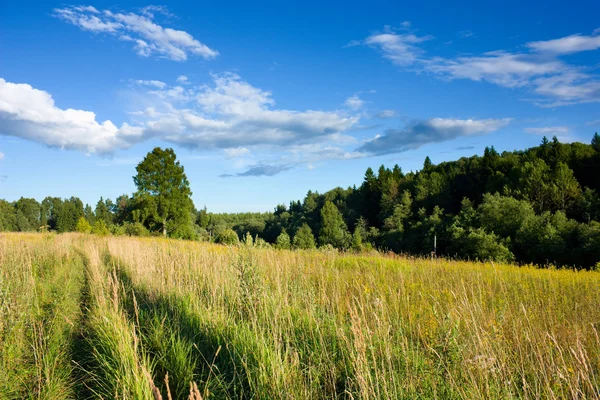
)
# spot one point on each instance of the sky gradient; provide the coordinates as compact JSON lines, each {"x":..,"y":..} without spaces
{"x":265,"y":101}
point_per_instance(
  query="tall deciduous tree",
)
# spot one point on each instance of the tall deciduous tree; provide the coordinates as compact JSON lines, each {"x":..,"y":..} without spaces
{"x":162,"y":181}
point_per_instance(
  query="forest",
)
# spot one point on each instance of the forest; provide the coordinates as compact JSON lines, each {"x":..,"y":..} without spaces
{"x":536,"y":206}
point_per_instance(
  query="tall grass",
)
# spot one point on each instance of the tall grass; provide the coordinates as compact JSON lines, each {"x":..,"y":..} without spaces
{"x":157,"y":317}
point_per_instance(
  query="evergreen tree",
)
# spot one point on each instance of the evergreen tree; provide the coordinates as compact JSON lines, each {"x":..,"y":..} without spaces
{"x":304,"y":238}
{"x":283,"y":240}
{"x":161,"y":180}
{"x":596,"y":142}
{"x":333,"y":228}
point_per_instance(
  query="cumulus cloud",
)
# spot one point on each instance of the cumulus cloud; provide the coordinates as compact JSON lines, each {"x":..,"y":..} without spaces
{"x":435,"y":130}
{"x":182,"y":79}
{"x":147,"y":36}
{"x":229,"y":114}
{"x":31,"y":114}
{"x":354,"y":102}
{"x":540,"y":70}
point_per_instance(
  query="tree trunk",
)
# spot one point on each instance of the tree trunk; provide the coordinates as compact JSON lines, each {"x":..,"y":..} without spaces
{"x":164,"y":227}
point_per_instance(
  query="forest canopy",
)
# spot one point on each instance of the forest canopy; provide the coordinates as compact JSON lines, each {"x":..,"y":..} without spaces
{"x":540,"y":206}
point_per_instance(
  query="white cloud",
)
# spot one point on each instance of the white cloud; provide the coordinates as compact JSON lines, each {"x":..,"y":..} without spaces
{"x":182,"y":79}
{"x":237,"y":152}
{"x":354,"y":102}
{"x":401,"y":49}
{"x":539,"y":71}
{"x":1,"y":156}
{"x":385,"y":114}
{"x":466,"y":34}
{"x":422,"y":132}
{"x":547,"y":130}
{"x":31,"y":114}
{"x":156,"y":84}
{"x":148,"y":37}
{"x":593,"y":123}
{"x":230,"y":114}
{"x":566,"y":45}
{"x":260,"y":170}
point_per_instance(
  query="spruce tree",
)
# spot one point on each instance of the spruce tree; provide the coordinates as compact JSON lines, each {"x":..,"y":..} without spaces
{"x":333,"y":228}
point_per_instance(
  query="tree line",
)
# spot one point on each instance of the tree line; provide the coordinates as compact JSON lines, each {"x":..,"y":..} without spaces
{"x":540,"y":206}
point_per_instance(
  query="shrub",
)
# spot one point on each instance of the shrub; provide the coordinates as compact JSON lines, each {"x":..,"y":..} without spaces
{"x":283,"y":240}
{"x":136,"y":229}
{"x":227,"y":237}
{"x":304,"y":238}
{"x":83,"y":226}
{"x":100,"y":228}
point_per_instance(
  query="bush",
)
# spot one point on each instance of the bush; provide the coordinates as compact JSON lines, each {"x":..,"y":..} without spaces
{"x":283,"y":241}
{"x":100,"y":228}
{"x":83,"y":226}
{"x":304,"y":238}
{"x":227,"y":237}
{"x":136,"y":229}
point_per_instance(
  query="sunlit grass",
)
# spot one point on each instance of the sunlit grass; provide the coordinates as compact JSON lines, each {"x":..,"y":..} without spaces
{"x":242,"y":322}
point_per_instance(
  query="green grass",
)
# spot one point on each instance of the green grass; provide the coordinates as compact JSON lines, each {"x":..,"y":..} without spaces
{"x":89,"y":317}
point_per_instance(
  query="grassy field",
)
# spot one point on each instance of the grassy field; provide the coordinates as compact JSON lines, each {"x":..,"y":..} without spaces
{"x":88,"y":317}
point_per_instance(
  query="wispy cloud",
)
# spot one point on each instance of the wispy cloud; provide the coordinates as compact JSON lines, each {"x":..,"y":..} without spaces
{"x":260,"y":170}
{"x":147,"y":36}
{"x":466,"y":34}
{"x":422,"y":132}
{"x":539,"y":70}
{"x":593,"y":123}
{"x":182,"y":79}
{"x":567,"y":45}
{"x":548,"y":130}
{"x":385,"y":114}
{"x":153,"y":83}
{"x":401,"y":48}
{"x":1,"y":156}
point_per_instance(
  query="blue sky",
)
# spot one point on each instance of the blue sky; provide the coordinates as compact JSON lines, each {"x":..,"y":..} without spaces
{"x":265,"y":101}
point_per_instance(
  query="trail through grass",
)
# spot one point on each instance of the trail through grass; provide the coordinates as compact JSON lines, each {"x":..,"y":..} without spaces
{"x":129,"y":318}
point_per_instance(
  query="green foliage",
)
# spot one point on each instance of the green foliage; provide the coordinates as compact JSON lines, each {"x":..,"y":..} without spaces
{"x":165,"y":191}
{"x":136,"y":229}
{"x":83,"y":226}
{"x":477,"y":244}
{"x":283,"y":241}
{"x":501,"y":215}
{"x":304,"y":238}
{"x":227,"y":237}
{"x":100,"y":228}
{"x":357,"y":241}
{"x":333,"y":228}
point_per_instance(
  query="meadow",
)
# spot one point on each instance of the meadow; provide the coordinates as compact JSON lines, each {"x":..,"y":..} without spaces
{"x":84,"y":316}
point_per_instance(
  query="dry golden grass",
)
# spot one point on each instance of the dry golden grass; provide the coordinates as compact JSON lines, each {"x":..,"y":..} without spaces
{"x":261,"y":323}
